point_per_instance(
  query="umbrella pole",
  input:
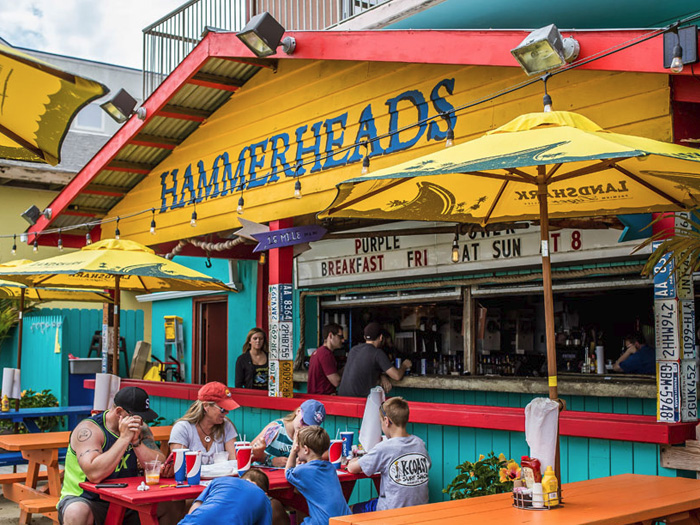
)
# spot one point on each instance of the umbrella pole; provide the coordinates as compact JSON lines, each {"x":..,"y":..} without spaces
{"x":549,"y":307}
{"x":115,"y":348}
{"x":20,"y":329}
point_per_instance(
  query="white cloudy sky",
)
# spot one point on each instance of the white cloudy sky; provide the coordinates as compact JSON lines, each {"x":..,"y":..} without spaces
{"x":104,"y":30}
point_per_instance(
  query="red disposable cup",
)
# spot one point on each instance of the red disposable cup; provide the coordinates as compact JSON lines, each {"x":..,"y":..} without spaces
{"x":244,"y":459}
{"x":335,"y":452}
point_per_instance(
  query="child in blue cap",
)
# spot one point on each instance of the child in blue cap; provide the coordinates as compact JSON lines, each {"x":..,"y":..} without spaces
{"x":272,"y":446}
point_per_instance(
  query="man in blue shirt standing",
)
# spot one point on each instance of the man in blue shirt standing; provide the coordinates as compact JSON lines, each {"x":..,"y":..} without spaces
{"x":638,"y":357}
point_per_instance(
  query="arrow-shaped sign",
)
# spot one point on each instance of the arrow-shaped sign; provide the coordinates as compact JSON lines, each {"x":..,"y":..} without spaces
{"x":288,"y":237}
{"x":250,"y":228}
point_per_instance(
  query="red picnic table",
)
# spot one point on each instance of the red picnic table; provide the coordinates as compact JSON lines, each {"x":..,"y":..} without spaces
{"x":146,"y":502}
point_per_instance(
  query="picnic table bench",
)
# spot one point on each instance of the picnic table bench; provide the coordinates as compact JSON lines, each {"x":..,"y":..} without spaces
{"x":42,"y":449}
{"x":27,"y":416}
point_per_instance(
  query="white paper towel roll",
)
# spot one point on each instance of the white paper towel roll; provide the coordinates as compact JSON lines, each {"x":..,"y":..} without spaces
{"x":599,"y":360}
{"x":371,"y":428}
{"x":541,"y":420}
{"x":8,"y":378}
{"x":16,"y":385}
{"x":106,"y":386}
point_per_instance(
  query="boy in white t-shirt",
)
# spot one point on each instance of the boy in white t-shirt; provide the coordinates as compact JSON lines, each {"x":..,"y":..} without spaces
{"x":402,"y":460}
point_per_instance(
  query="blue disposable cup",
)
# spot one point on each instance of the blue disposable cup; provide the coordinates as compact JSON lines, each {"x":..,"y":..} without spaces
{"x":180,"y":466}
{"x":347,"y":438}
{"x":397,"y":362}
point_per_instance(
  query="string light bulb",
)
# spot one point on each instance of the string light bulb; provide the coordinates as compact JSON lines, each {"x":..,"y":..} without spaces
{"x":239,"y":209}
{"x":60,"y":241}
{"x":365,"y":160}
{"x":117,"y":233}
{"x":36,"y":245}
{"x":14,"y":244}
{"x":297,"y":183}
{"x":450,"y":140}
{"x":455,"y":248}
{"x":153,"y":221}
{"x":88,"y":239}
{"x":677,"y":62}
{"x":193,"y":219}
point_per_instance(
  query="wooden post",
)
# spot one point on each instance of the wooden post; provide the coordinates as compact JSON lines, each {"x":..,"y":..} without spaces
{"x":115,"y":345}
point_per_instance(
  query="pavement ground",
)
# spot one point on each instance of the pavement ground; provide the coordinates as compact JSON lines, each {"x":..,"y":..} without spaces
{"x":9,"y":510}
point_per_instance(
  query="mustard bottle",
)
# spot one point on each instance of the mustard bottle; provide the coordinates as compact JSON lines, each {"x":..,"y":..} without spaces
{"x":550,"y":487}
{"x":5,"y":404}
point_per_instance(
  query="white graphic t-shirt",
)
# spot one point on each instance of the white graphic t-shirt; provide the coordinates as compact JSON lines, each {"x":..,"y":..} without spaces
{"x":403,"y":463}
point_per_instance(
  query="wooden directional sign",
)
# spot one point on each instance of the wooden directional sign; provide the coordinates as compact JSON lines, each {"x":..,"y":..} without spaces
{"x":288,"y":237}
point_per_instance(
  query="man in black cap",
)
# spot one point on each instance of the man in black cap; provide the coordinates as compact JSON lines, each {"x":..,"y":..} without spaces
{"x":106,"y":447}
{"x":366,"y":363}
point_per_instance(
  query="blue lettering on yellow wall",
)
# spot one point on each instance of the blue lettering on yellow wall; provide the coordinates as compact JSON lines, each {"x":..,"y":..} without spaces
{"x":315,"y":148}
{"x":441,"y":106}
{"x":255,"y":163}
{"x":418,"y":100}
{"x":335,"y":142}
{"x":279,"y":157}
{"x":273,"y":153}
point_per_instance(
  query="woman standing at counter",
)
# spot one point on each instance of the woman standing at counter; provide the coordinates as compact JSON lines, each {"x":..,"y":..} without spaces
{"x":251,"y":365}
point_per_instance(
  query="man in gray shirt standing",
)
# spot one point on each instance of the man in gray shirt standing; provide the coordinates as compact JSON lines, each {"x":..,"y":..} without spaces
{"x":366,"y":362}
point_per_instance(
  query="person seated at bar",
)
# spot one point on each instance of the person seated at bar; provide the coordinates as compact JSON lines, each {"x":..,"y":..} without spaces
{"x":232,"y":500}
{"x":272,"y":446}
{"x":637,"y":357}
{"x":251,"y":365}
{"x":366,"y":363}
{"x":402,"y":460}
{"x":105,"y":447}
{"x":205,"y":427}
{"x":323,"y":369}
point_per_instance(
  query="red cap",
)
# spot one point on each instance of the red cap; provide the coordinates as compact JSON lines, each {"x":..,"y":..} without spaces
{"x":218,"y":393}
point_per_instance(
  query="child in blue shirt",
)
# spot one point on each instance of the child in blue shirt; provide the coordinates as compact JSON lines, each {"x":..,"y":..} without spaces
{"x":314,"y":477}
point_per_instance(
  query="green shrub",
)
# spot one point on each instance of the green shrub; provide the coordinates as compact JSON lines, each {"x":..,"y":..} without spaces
{"x":486,"y":476}
{"x":31,"y":399}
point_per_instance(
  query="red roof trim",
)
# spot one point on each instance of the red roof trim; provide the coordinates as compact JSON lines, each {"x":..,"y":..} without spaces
{"x":189,"y":66}
{"x":481,"y":48}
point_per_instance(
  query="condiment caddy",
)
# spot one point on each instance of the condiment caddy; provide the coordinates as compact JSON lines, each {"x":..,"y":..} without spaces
{"x":534,"y":491}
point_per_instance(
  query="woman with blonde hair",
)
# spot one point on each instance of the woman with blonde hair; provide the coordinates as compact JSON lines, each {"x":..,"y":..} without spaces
{"x":251,"y":365}
{"x":205,"y":427}
{"x":272,"y":446}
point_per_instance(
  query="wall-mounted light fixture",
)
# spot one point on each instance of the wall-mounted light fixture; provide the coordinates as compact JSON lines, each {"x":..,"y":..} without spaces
{"x":263,"y":34}
{"x":32,"y":214}
{"x":680,"y":47}
{"x":545,"y":49}
{"x":122,"y":106}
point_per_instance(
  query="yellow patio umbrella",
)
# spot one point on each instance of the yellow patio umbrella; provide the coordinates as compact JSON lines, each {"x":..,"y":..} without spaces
{"x":37,"y":104}
{"x":116,"y":265}
{"x":20,"y":292}
{"x":536,"y":167}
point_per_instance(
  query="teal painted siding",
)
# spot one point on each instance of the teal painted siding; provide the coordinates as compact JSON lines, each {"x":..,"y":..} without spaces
{"x":241,"y":312}
{"x":42,"y":368}
{"x":450,"y":446}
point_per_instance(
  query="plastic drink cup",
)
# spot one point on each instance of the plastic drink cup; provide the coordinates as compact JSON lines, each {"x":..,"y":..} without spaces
{"x":152,"y":471}
{"x":347,"y":438}
{"x":220,"y":457}
{"x":193,"y":462}
{"x":244,"y":459}
{"x":179,"y":466}
{"x":335,"y":452}
{"x":237,"y":444}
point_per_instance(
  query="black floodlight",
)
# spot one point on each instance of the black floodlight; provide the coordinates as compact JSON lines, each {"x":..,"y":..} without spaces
{"x":263,"y":34}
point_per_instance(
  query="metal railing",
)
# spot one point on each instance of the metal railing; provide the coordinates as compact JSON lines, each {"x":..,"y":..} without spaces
{"x":169,"y":40}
